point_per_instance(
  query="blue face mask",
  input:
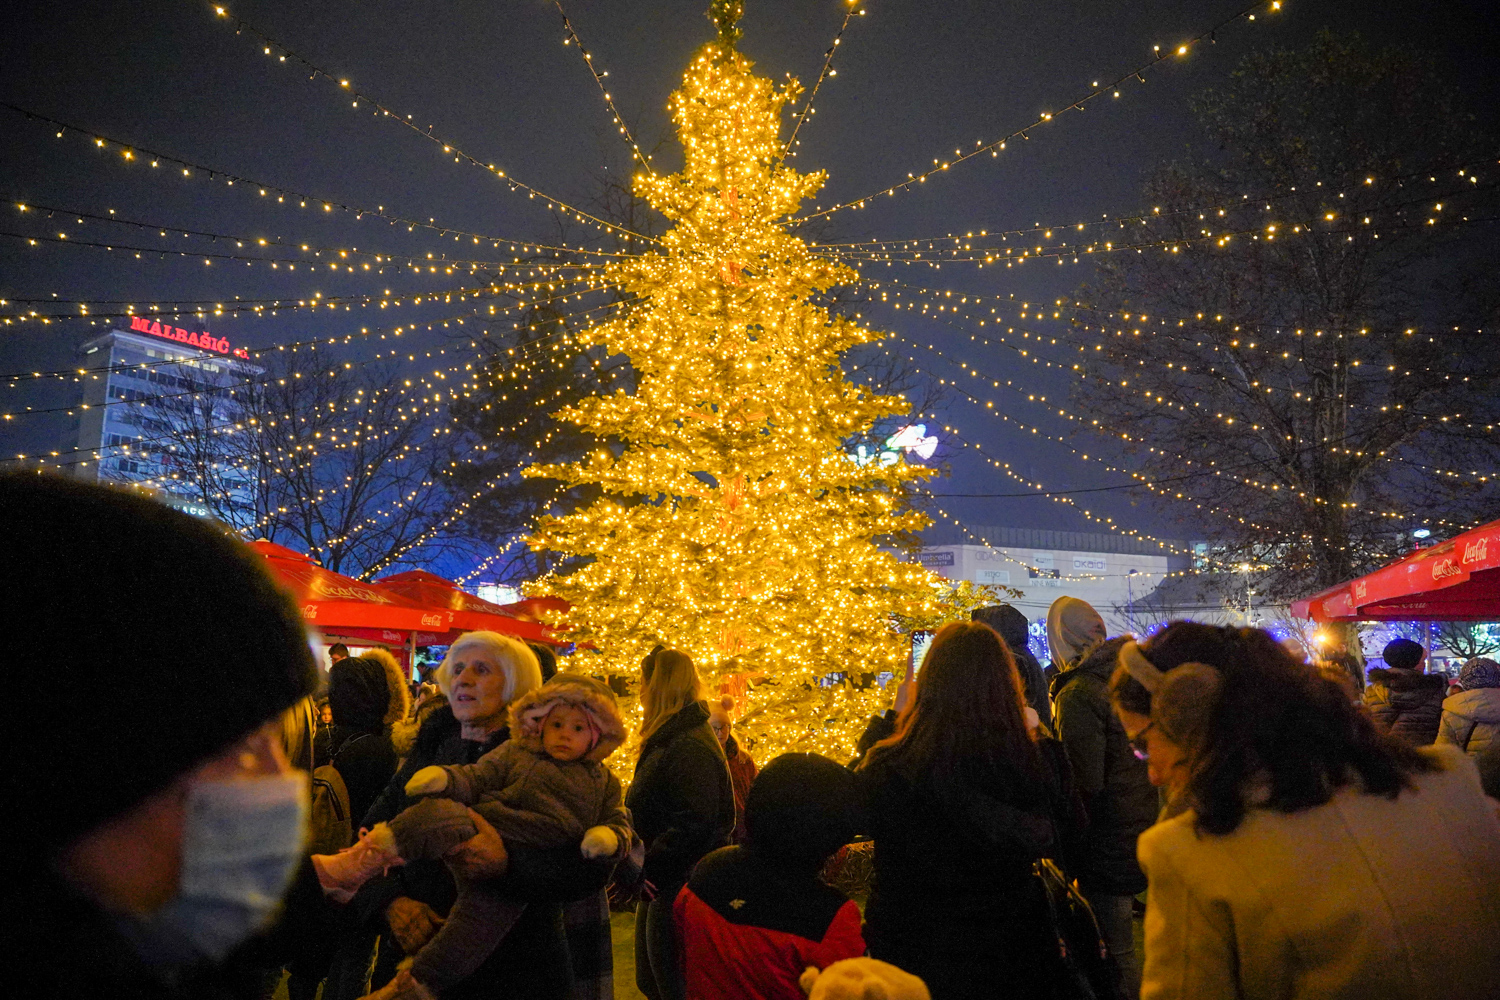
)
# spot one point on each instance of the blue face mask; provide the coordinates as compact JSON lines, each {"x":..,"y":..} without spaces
{"x":241,"y":841}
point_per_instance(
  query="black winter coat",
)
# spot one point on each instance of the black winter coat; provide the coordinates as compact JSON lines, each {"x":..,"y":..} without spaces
{"x":681,"y":799}
{"x":366,"y":761}
{"x":1406,"y":703}
{"x":1110,"y":779}
{"x":954,"y":899}
{"x":532,"y":959}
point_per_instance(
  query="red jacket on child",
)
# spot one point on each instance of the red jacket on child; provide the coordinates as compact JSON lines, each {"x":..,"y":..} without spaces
{"x":749,"y":927}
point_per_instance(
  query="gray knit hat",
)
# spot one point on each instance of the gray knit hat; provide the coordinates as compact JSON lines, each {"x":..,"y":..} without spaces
{"x":161,"y":641}
{"x":1480,"y":672}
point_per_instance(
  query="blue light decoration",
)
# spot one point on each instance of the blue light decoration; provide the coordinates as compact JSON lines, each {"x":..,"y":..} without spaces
{"x":909,"y":440}
{"x":1036,"y":640}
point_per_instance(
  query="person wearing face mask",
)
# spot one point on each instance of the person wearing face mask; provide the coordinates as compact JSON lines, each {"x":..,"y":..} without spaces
{"x":152,"y":829}
{"x":1303,"y":853}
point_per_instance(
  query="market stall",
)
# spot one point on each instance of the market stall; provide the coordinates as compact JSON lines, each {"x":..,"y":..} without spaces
{"x":462,"y":611}
{"x":343,"y":609}
{"x":1455,"y":580}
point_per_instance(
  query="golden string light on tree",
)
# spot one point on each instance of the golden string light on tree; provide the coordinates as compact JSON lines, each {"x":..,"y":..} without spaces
{"x":732,"y":522}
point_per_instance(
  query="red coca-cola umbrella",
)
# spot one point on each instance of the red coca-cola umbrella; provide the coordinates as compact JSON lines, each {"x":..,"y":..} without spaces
{"x":1456,"y":580}
{"x":334,"y":603}
{"x":462,"y":611}
{"x":533,"y":609}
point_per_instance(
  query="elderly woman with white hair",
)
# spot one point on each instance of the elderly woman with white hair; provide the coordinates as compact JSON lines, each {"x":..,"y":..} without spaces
{"x":481,"y":675}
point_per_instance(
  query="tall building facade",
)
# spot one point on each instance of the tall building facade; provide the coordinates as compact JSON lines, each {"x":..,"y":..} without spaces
{"x":1111,"y":572}
{"x":165,"y":409}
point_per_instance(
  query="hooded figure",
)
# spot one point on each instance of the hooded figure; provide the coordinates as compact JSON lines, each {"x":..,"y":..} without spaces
{"x":1403,"y":700}
{"x":1117,"y":795}
{"x":1072,"y":627}
{"x":360,"y":695}
{"x":1471,"y":718}
{"x":399,"y":705}
{"x":1015,"y":630}
{"x":529,"y":792}
{"x":595,"y":700}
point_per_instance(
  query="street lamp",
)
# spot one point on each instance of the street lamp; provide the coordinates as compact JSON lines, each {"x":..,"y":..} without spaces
{"x":1130,"y":600}
{"x":1245,"y":568}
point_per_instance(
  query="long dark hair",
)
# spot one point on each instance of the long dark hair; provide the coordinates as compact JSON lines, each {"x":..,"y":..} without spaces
{"x":1277,"y":724}
{"x":965,"y":719}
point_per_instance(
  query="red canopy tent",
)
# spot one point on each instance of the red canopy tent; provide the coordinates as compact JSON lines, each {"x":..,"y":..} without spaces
{"x":463,"y":612}
{"x":340,"y":605}
{"x":1456,"y":580}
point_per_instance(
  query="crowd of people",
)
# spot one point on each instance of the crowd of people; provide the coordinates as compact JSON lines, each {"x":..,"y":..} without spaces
{"x":199,"y":820}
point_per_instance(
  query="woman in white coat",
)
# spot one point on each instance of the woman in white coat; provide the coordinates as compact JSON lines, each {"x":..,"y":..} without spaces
{"x":1303,"y":854}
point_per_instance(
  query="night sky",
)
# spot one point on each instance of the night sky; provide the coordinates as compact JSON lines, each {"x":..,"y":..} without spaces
{"x":915,"y":80}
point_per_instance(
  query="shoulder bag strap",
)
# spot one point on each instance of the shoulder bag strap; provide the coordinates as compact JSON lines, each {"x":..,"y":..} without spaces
{"x":344,"y":746}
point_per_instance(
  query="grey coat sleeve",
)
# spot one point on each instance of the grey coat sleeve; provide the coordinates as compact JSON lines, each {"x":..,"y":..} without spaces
{"x":615,"y":816}
{"x":490,"y":773}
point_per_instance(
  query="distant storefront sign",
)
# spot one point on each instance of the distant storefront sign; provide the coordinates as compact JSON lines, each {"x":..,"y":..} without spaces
{"x":201,"y":339}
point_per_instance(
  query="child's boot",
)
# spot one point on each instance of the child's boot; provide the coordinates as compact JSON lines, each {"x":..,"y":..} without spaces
{"x":343,"y":873}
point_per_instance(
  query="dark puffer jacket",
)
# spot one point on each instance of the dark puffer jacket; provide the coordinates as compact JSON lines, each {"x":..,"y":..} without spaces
{"x":1112,"y":781}
{"x":1406,"y":703}
{"x":681,"y":799}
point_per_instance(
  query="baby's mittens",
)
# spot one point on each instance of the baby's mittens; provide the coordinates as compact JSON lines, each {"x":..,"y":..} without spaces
{"x":427,"y":781}
{"x":598,"y":842}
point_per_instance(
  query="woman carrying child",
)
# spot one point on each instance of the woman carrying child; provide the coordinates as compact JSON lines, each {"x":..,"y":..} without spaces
{"x":482,"y":675}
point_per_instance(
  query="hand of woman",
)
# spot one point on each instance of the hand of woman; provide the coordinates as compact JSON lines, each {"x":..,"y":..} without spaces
{"x":413,"y":923}
{"x":482,"y":856}
{"x":904,"y":691}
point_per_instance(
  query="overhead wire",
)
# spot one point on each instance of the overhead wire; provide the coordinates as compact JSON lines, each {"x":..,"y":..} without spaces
{"x":1078,"y":104}
{"x":449,"y":147}
{"x":854,"y":6}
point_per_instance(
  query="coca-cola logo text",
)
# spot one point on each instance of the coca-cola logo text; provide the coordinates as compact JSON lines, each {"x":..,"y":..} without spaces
{"x":1443,"y":568}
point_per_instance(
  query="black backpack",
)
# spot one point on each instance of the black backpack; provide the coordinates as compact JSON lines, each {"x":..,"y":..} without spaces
{"x":1087,"y":971}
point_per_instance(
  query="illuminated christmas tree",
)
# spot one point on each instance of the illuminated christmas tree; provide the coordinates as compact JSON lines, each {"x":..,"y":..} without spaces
{"x":734,"y":524}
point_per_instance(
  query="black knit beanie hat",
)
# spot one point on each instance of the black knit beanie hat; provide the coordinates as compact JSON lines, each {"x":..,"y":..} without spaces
{"x":160,"y":639}
{"x":801,"y":809}
{"x":1403,"y":654}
